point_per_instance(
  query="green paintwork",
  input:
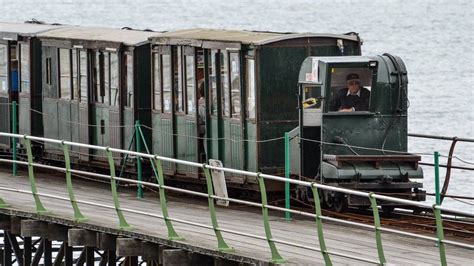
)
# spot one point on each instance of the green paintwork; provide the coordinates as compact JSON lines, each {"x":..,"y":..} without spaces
{"x":172,"y":235}
{"x":276,"y":257}
{"x":163,"y":140}
{"x":78,"y":217}
{"x":436,"y":168}
{"x":122,"y":222}
{"x":221,"y":244}
{"x":378,"y":235}
{"x":319,"y":224}
{"x":40,"y":209}
{"x":440,"y":235}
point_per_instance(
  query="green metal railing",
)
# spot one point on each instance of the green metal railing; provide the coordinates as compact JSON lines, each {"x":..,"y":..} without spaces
{"x":221,"y":243}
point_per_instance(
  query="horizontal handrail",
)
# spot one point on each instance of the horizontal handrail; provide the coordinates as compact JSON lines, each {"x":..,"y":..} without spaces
{"x":211,"y":196}
{"x":439,"y":137}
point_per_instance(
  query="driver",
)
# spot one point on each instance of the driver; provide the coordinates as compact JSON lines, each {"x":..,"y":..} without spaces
{"x":352,"y":98}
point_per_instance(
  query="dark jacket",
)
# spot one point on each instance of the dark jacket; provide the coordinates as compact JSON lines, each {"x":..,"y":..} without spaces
{"x":342,"y":101}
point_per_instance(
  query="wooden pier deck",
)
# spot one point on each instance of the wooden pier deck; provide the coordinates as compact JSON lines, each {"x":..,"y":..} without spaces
{"x":399,"y":250}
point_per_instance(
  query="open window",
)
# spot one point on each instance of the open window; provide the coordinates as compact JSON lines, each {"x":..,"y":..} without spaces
{"x":350,"y":88}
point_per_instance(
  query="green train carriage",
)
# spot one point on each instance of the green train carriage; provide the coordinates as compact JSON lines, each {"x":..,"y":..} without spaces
{"x":96,"y":84}
{"x":20,"y":52}
{"x":250,"y":95}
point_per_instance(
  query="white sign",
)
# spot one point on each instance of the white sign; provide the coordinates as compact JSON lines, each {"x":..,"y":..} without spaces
{"x":218,"y":180}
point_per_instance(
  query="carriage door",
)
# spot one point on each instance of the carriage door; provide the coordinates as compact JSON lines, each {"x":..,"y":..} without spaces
{"x":213,"y":131}
{"x":232,"y":114}
{"x":162,"y":114}
{"x":5,"y":94}
{"x":111,"y":92}
{"x":191,"y":110}
{"x":84,"y":103}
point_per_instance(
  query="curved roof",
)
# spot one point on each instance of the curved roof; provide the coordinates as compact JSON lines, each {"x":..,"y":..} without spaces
{"x":127,"y":37}
{"x":245,"y":37}
{"x":12,"y":30}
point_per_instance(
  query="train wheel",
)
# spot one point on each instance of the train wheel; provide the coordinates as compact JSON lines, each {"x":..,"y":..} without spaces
{"x":387,"y":209}
{"x":340,"y":202}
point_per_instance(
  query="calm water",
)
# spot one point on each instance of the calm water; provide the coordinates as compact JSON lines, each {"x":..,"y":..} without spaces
{"x":433,"y":37}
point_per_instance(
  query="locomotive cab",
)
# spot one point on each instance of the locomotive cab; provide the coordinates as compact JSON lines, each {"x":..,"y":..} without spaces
{"x":353,"y":127}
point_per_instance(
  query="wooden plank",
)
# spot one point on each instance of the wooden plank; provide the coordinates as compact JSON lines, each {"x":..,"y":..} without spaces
{"x":343,"y":239}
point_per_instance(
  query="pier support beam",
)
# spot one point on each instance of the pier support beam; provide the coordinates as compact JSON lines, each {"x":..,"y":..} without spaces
{"x":107,"y":243}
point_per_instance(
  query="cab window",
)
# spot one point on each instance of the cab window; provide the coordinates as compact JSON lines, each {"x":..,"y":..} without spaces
{"x":350,"y":89}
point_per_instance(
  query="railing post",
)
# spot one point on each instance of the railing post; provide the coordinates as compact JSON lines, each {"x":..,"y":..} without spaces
{"x":287,"y":176}
{"x":276,"y":257}
{"x":172,"y":235}
{"x":319,"y":224}
{"x":122,"y":222}
{"x":440,"y":234}
{"x":221,"y":244}
{"x":78,"y":217}
{"x":436,"y":163}
{"x":14,"y":131}
{"x":139,"y":160}
{"x":39,"y":206}
{"x":378,"y":236}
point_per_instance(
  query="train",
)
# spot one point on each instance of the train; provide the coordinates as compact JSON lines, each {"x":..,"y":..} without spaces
{"x":93,"y":85}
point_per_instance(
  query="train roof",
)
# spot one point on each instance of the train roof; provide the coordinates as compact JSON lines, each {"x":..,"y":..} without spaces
{"x":243,"y":36}
{"x":13,"y":30}
{"x":127,"y":37}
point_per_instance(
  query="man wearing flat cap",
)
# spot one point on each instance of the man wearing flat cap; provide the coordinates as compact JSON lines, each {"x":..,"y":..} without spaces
{"x":352,"y":98}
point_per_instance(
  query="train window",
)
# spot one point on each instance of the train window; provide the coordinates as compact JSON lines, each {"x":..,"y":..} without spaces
{"x":75,"y":89}
{"x":224,"y":63}
{"x":156,"y":82}
{"x":25,"y":68}
{"x":250,"y":88}
{"x":105,"y":76}
{"x":350,"y":89}
{"x":235,"y":84}
{"x":190,"y":85}
{"x":213,"y":81}
{"x":48,"y":71}
{"x":65,"y":73}
{"x":83,"y":76}
{"x":166,"y":69}
{"x":177,"y":79}
{"x":129,"y":64}
{"x":98,"y":77}
{"x":3,"y":69}
{"x":114,"y":80}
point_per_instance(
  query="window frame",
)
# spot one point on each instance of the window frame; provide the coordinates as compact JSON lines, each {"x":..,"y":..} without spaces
{"x":60,"y":72}
{"x":190,"y":52}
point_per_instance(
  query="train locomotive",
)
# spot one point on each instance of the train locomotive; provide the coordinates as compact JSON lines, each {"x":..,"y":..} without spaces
{"x":362,"y":149}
